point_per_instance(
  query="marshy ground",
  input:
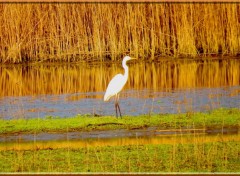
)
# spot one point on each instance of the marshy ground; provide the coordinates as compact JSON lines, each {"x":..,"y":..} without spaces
{"x":196,"y":142}
{"x":176,"y":124}
{"x":183,"y":116}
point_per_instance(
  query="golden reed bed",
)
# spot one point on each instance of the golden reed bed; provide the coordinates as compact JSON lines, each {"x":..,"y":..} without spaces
{"x":94,"y":31}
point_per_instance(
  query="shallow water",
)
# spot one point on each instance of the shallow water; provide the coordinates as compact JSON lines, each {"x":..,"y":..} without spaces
{"x":170,"y":86}
{"x":134,"y":102}
{"x":116,"y":138}
{"x":149,"y":132}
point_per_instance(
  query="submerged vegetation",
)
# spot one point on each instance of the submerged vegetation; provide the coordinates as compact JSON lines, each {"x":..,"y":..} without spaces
{"x":220,"y":118}
{"x":94,"y":31}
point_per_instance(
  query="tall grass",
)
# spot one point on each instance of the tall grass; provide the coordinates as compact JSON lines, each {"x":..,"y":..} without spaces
{"x":195,"y":157}
{"x":90,"y":31}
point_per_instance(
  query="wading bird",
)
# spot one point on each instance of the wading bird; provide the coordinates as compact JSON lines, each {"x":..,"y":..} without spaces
{"x":117,"y":84}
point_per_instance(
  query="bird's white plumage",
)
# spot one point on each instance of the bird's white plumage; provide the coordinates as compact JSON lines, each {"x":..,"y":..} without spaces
{"x":115,"y":86}
{"x":118,"y":81}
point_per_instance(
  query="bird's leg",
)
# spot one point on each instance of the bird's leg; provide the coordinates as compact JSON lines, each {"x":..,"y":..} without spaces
{"x":118,"y":106}
{"x":119,"y":110}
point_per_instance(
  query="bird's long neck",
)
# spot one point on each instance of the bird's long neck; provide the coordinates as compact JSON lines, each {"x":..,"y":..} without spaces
{"x":126,"y":70}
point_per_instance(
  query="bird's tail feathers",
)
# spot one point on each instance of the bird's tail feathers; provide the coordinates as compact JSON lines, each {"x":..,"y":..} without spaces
{"x":106,"y":97}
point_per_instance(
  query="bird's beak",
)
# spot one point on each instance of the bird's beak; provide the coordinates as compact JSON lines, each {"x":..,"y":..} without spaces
{"x":133,"y":58}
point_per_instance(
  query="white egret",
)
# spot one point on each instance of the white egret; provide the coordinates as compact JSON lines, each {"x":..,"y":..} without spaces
{"x":117,"y":84}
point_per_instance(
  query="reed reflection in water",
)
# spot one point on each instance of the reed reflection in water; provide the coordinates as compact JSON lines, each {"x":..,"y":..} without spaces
{"x":121,"y":141}
{"x":169,"y":86}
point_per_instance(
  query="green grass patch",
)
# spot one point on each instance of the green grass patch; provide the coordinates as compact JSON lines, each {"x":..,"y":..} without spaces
{"x":213,"y":119}
{"x":197,"y":157}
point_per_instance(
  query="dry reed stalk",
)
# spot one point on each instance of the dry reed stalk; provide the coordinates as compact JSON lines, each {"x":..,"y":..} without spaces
{"x":94,"y":31}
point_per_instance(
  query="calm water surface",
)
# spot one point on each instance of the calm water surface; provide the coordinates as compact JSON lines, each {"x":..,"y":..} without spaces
{"x":120,"y":137}
{"x":170,"y":86}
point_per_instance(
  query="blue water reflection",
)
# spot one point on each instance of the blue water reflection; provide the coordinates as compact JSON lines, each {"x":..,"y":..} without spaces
{"x":132,"y":102}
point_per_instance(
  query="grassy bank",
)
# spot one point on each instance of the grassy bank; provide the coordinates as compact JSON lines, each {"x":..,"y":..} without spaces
{"x":93,"y":31}
{"x":214,"y":119}
{"x":182,"y":153}
{"x":197,"y":157}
